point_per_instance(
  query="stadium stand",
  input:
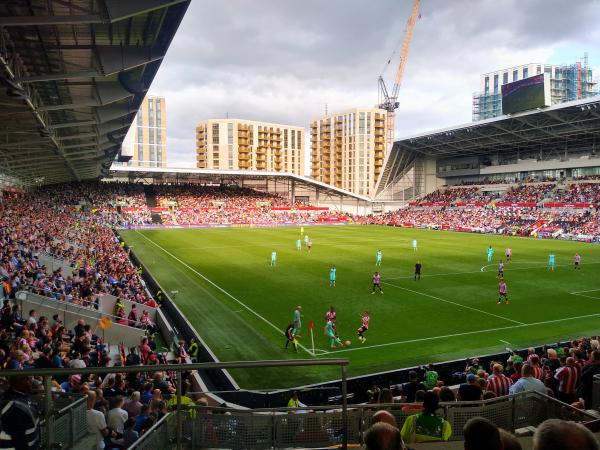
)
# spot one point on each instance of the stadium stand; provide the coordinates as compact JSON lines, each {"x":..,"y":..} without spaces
{"x":73,"y":224}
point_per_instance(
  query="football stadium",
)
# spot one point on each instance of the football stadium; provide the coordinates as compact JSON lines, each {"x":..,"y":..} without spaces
{"x":443,"y":296}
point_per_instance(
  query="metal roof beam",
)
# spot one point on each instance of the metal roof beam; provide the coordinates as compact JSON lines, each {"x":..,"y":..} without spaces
{"x":32,"y":21}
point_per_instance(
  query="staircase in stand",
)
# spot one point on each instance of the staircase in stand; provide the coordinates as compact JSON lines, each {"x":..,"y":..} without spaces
{"x":152,"y":203}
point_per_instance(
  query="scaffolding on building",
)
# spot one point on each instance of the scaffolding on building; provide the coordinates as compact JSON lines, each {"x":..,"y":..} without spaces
{"x":567,"y":83}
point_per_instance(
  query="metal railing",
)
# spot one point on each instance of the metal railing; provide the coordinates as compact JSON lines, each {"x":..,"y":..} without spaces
{"x":200,"y":427}
{"x":50,"y":417}
{"x":159,"y":436}
{"x":318,"y":427}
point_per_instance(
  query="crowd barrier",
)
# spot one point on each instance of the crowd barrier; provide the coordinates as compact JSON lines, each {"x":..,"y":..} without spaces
{"x":321,"y":426}
{"x":57,"y":432}
{"x":160,"y":436}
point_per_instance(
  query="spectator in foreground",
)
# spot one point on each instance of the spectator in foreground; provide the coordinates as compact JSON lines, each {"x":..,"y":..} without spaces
{"x":587,"y":378}
{"x":383,"y":416}
{"x":499,"y":383}
{"x":130,"y":435}
{"x":410,"y":389}
{"x":426,"y":426}
{"x":96,"y":422}
{"x":527,"y":382}
{"x":383,"y":436}
{"x":556,"y":434}
{"x":509,"y":441}
{"x":481,"y":434}
{"x":469,"y":391}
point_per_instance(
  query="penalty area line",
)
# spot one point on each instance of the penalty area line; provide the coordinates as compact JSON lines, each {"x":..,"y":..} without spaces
{"x":466,"y":333}
{"x":242,"y":304}
{"x":455,"y":303}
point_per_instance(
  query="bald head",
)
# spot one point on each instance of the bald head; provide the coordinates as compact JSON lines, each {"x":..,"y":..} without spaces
{"x":384,"y":416}
{"x":556,"y":434}
{"x":383,"y":436}
{"x":509,"y":441}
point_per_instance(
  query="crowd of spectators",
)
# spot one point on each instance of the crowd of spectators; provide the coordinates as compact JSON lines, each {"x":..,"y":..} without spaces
{"x":563,"y":372}
{"x":450,"y":196}
{"x":528,"y":193}
{"x":579,"y":193}
{"x":120,"y":407}
{"x":506,"y":220}
{"x":51,"y":222}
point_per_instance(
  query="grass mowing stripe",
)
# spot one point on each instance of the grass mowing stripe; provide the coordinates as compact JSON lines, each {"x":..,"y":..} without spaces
{"x":242,"y":304}
{"x":466,"y":333}
{"x":453,"y":303}
{"x":506,"y":269}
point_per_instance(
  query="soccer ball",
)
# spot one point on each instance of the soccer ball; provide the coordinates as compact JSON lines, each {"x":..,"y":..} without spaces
{"x":347,"y":343}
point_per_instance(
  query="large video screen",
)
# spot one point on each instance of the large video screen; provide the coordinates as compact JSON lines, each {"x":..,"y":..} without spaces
{"x":526,"y":94}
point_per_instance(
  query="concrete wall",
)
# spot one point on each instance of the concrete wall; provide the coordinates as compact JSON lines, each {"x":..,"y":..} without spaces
{"x":70,"y":314}
{"x":107,"y":306}
{"x":527,"y":165}
{"x":432,"y":182}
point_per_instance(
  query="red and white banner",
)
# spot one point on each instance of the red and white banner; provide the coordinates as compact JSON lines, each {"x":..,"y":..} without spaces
{"x":516,"y":205}
{"x":463,"y":204}
{"x":568,"y":205}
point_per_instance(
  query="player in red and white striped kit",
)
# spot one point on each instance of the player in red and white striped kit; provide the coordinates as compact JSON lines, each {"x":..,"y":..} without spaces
{"x":364,"y":327}
{"x":330,"y":315}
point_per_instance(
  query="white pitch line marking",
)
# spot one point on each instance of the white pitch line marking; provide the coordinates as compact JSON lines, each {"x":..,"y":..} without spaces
{"x":220,"y":289}
{"x":506,"y":342}
{"x":586,"y":296}
{"x":454,"y":303}
{"x":467,"y":333}
{"x":581,"y":292}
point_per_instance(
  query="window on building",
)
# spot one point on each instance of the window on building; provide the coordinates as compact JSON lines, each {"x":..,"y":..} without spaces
{"x":538,"y":70}
{"x":215,"y":133}
{"x":505,"y":78}
{"x":515,"y":75}
{"x":495,"y":83}
{"x":548,"y":70}
{"x":525,"y":72}
{"x":298,"y":139}
{"x":230,"y":133}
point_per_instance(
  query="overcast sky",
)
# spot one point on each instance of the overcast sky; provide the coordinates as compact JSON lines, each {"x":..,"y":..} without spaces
{"x":283,"y":61}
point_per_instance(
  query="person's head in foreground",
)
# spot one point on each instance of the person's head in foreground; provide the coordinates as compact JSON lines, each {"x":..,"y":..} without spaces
{"x":556,"y":434}
{"x":383,"y":436}
{"x":481,"y":434}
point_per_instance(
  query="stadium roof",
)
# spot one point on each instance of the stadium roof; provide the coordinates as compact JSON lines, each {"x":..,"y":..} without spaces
{"x":73,"y":74}
{"x":158,"y":174}
{"x":573,"y":124}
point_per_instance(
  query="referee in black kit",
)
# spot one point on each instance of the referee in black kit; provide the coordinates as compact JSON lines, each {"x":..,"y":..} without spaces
{"x":418,"y":271}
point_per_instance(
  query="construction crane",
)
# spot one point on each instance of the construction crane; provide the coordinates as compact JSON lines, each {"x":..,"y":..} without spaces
{"x":389,"y":102}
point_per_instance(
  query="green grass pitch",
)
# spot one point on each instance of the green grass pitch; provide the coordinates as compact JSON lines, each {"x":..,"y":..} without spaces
{"x":241,"y":305}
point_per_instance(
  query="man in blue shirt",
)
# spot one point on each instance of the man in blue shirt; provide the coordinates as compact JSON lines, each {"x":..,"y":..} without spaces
{"x":527,"y":382}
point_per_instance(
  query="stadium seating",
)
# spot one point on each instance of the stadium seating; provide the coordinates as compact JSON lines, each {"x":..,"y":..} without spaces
{"x":71,"y":226}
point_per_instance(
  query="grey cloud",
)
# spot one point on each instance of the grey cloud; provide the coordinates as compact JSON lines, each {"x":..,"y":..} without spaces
{"x":283,"y":61}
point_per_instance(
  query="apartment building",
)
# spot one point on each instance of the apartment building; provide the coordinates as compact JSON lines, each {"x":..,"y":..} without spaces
{"x":249,"y":145}
{"x":348,"y":149}
{"x":567,"y":83}
{"x":146,"y":140}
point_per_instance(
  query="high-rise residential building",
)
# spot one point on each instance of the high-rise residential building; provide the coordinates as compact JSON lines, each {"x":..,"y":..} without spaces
{"x":348,"y":149}
{"x":567,"y":82}
{"x":247,"y":145}
{"x":146,"y":140}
